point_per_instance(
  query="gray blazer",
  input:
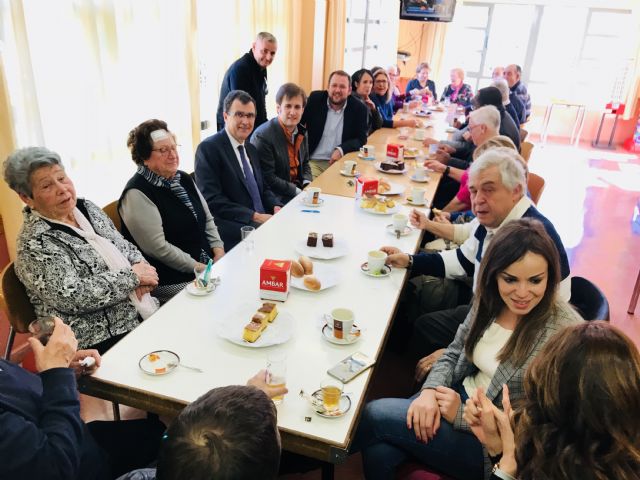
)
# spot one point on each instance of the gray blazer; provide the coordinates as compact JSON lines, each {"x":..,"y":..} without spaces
{"x":454,"y":366}
{"x":271,"y":143}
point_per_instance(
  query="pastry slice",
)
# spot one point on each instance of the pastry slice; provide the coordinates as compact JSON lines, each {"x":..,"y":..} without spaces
{"x":252,"y":332}
{"x":270,"y":310}
{"x":260,"y":318}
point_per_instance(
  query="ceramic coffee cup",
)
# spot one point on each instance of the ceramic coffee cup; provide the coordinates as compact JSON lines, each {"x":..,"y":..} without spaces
{"x":375,"y":260}
{"x":349,"y":167}
{"x":342,"y":319}
{"x":368,"y":151}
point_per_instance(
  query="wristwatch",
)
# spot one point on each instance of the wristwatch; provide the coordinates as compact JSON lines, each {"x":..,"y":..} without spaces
{"x":446,"y":171}
{"x":410,"y":264}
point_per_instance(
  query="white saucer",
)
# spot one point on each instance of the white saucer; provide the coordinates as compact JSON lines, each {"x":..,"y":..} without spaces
{"x":415,"y":204}
{"x":343,"y":407}
{"x":196,"y":292}
{"x":407,"y":230}
{"x":414,"y":179}
{"x":327,"y":334}
{"x":159,"y":362}
{"x":309,"y":204}
{"x":345,"y":174}
{"x":451,"y":130}
{"x":386,"y":270}
{"x":370,"y":157}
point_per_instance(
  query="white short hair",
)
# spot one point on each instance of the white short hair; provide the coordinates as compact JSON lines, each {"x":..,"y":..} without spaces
{"x":487,"y":115}
{"x":502,"y":85}
{"x":509,"y":163}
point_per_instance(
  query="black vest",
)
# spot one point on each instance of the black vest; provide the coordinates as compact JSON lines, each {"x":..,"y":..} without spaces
{"x":180,"y":226}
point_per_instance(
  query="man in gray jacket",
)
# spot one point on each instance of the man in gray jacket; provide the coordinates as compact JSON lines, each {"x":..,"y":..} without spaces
{"x":283,"y":147}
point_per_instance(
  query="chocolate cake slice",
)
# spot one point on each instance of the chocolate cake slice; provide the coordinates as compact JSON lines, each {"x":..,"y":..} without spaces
{"x":327,"y":240}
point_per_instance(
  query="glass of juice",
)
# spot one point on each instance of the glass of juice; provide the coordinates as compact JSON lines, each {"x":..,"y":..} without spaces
{"x":277,"y":373}
{"x":331,"y":393}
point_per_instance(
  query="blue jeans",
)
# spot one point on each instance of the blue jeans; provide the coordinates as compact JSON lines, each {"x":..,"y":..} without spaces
{"x":386,"y":443}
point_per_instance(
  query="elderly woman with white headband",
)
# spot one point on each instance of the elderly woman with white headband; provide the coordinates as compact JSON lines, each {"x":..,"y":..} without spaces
{"x":164,"y":213}
{"x":73,"y":262}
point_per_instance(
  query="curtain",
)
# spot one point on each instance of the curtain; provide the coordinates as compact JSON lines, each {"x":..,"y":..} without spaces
{"x":334,"y":37}
{"x":81,"y":74}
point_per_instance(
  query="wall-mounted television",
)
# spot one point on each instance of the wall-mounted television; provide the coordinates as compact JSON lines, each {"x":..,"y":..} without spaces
{"x":427,"y":10}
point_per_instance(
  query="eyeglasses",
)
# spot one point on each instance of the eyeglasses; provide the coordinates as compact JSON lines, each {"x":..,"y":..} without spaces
{"x":164,"y":151}
{"x":241,"y":115}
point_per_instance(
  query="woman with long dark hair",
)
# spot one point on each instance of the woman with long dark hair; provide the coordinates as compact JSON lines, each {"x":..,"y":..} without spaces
{"x":515,"y":311}
{"x":578,"y":417}
{"x":361,"y":85}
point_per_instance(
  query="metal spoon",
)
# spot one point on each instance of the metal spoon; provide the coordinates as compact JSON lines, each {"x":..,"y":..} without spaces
{"x":195,"y":369}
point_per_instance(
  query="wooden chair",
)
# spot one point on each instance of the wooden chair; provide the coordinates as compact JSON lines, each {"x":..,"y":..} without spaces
{"x":16,"y":304}
{"x":588,"y":299}
{"x":535,"y":185}
{"x":634,"y":296}
{"x":525,"y":150}
{"x":112,"y":212}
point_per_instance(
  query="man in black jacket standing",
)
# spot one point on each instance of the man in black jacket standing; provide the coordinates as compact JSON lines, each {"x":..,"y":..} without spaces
{"x":336,"y":122}
{"x":249,"y":73}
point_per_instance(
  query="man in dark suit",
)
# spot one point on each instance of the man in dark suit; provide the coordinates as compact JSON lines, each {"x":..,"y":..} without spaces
{"x":336,"y":122}
{"x":282,"y":145}
{"x":249,"y":73}
{"x":228,"y":172}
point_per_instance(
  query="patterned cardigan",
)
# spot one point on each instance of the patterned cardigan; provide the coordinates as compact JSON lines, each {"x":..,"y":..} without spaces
{"x":454,"y":366}
{"x":65,"y":276}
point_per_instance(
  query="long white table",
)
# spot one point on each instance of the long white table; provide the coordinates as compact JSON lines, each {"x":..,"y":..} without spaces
{"x":187,"y":325}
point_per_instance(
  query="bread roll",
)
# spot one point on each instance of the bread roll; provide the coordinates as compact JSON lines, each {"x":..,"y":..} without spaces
{"x":307,"y":264}
{"x":296,"y":269}
{"x":311,"y":282}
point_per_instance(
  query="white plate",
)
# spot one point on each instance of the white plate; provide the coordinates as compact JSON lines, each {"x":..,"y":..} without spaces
{"x":391,"y":172}
{"x":192,"y":290}
{"x":451,"y":130}
{"x":390,"y":211}
{"x":159,"y":362}
{"x":327,"y":334}
{"x":343,"y":408}
{"x":309,"y":204}
{"x":328,"y":276}
{"x":421,"y":113}
{"x":386,"y":271}
{"x":424,"y":180}
{"x":340,"y":249}
{"x":395,"y":189}
{"x":345,"y":174}
{"x":370,"y":157}
{"x":277,"y":332}
{"x":407,"y":230}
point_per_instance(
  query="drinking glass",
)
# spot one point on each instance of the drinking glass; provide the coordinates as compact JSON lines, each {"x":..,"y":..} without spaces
{"x":277,"y":373}
{"x":331,"y":393}
{"x":245,"y":235}
{"x":42,"y":328}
